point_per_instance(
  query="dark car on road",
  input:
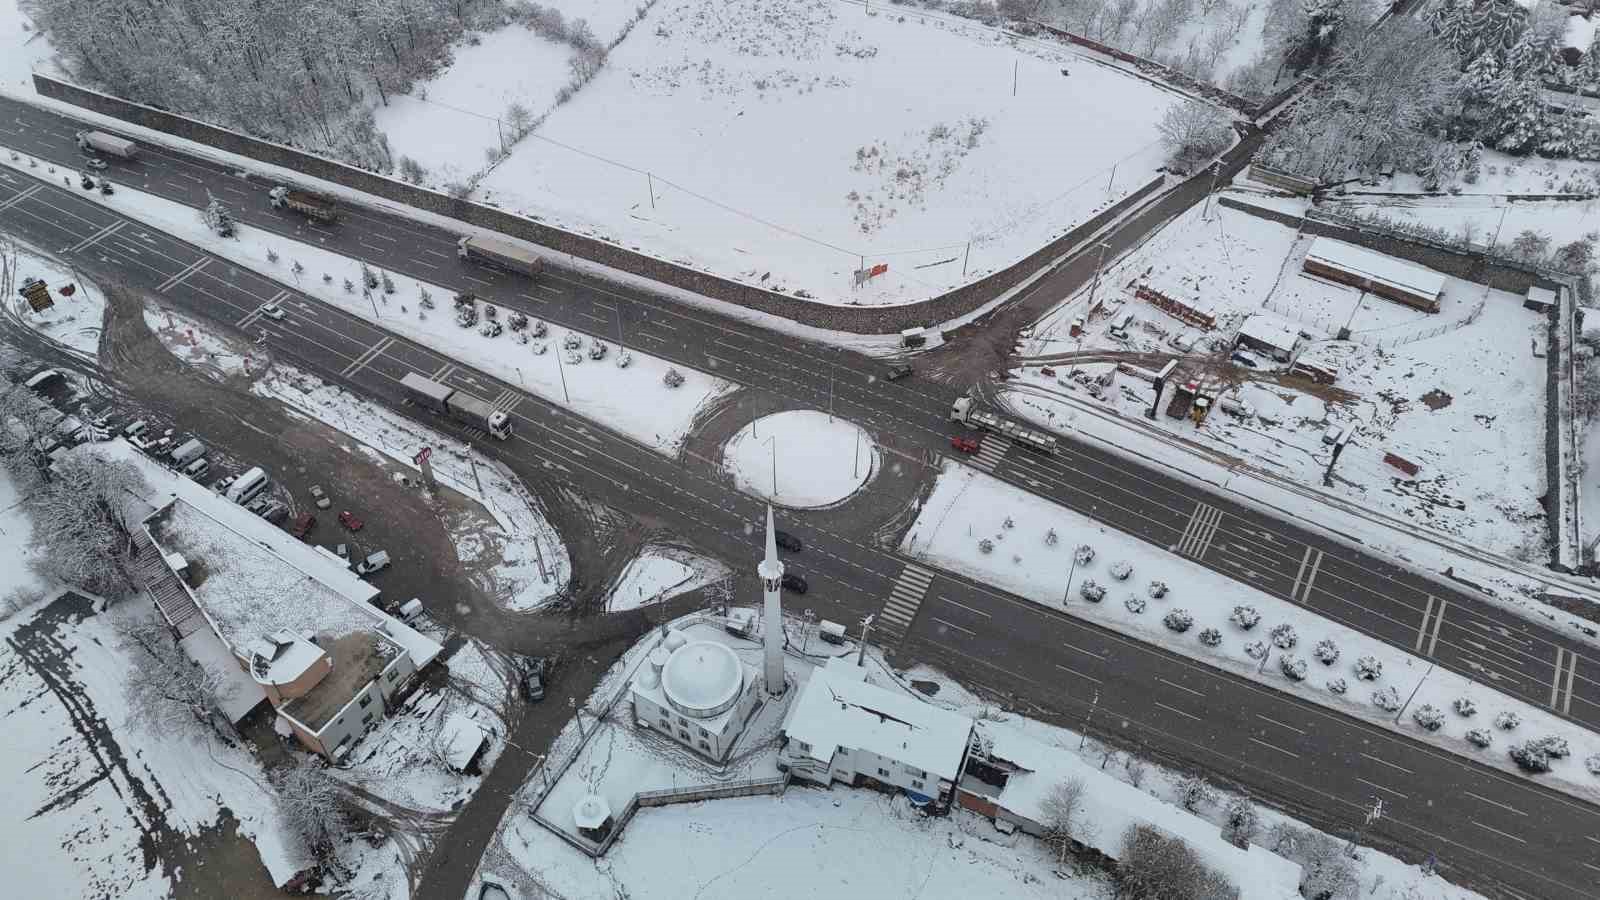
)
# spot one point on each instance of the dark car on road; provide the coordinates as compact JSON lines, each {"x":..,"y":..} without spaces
{"x":795,"y":583}
{"x":899,"y":372}
{"x":787,"y":541}
{"x":533,"y":680}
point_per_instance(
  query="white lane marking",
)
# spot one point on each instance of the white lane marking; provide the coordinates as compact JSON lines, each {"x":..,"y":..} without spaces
{"x":976,"y":612}
{"x":1555,"y":680}
{"x":1494,"y":803}
{"x":1288,"y":753}
{"x":1389,"y":764}
{"x":1301,"y":573}
{"x":1433,"y":642}
{"x":1077,"y":673}
{"x":1280,"y":724}
{"x":1422,"y":630}
{"x":1173,"y":709}
{"x":1497,"y":831}
{"x":948,"y":624}
{"x":1311,"y":578}
{"x":1572,"y":670}
{"x":178,"y":278}
{"x":1100,"y":656}
{"x":1179,"y":686}
{"x":1374,"y":784}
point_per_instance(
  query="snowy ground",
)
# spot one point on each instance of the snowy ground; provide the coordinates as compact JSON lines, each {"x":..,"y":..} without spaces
{"x":801,"y":458}
{"x":21,"y":48}
{"x":73,"y":322}
{"x":17,"y":582}
{"x":1462,"y":399}
{"x":86,"y":785}
{"x":530,"y":562}
{"x":1223,"y":39}
{"x":1022,"y":562}
{"x":631,"y":400}
{"x":661,"y":572}
{"x":896,"y":135}
{"x":190,"y":340}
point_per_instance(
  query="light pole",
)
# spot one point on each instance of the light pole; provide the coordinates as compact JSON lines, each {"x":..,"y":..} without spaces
{"x":805,"y":636}
{"x":1413,"y":694}
{"x":1373,"y":815}
{"x":1087,"y":718}
{"x":855,"y":461}
{"x":772,"y":442}
{"x":1216,"y":169}
{"x":861,"y":651}
{"x":562,"y":368}
{"x":1100,"y":264}
{"x":1066,"y":595}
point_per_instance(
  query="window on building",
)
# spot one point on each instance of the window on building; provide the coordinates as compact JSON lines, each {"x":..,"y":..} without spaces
{"x":367,"y":719}
{"x":705,"y":746}
{"x":704,"y":733}
{"x":804,"y":747}
{"x":915,"y":783}
{"x":883,"y":773}
{"x":843,"y":752}
{"x":682,"y":721}
{"x":393,"y":674}
{"x":684,"y":736}
{"x":365,"y":701}
{"x":666,"y":723}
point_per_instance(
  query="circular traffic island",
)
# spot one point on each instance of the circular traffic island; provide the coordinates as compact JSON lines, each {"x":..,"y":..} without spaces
{"x":801,"y":458}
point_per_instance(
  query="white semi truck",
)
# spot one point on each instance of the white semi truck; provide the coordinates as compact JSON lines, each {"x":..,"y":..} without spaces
{"x":464,"y":408}
{"x":965,"y":412}
{"x":504,"y":254}
{"x":110,"y":145}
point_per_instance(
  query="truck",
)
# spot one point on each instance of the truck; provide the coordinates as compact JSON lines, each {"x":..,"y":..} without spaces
{"x":967,"y":413}
{"x":187,"y":452}
{"x":312,"y":206}
{"x":448,"y":401}
{"x":503,"y":254}
{"x":110,"y":145}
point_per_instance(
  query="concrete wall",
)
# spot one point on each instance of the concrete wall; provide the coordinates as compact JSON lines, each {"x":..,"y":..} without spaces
{"x":861,"y":320}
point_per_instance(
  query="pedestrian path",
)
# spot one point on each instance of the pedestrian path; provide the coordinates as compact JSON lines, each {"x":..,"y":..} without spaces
{"x":904,"y":600}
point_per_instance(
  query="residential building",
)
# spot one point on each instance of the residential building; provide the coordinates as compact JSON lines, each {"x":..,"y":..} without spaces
{"x":1268,"y":334}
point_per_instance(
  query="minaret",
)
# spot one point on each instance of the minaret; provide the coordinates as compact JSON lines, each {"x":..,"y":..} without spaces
{"x":771,"y":571}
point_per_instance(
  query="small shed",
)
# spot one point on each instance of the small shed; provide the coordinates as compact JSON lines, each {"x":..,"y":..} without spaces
{"x":1375,"y":273}
{"x":462,"y":743}
{"x":1539,"y":299}
{"x":1268,"y":334}
{"x":592,"y":815}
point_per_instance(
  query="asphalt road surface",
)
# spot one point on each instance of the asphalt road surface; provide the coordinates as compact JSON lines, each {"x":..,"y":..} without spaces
{"x":1325,"y":765}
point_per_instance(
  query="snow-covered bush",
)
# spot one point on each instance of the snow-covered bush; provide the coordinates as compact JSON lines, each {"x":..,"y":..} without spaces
{"x":1369,"y":668}
{"x":1293,"y":668}
{"x":1480,"y":737}
{"x":572,"y":340}
{"x":1158,"y":589}
{"x":349,"y":286}
{"x":1283,"y":636}
{"x":1009,"y":522}
{"x":1210,"y":637}
{"x":986,"y":546}
{"x":1555,"y":746}
{"x":1084,"y":555}
{"x":1531,"y":757}
{"x":1430,"y":717}
{"x":1256,"y":649}
{"x":624,"y":359}
{"x":1338,"y":685}
{"x":1134,"y":603}
{"x":1050,"y":537}
{"x":272,"y":255}
{"x":673,"y":378}
{"x":1507,"y":720}
{"x":1245,"y":617}
{"x":1593,"y":764}
{"x":1387,"y":699}
{"x":1178,"y":620}
{"x":1464,"y":706}
{"x":1326,"y":652}
{"x":1121,"y":569}
{"x":1091,"y":590}
{"x":1194,"y":790}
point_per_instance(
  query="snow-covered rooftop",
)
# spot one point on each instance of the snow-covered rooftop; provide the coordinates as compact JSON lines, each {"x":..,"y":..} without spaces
{"x":459,"y":739}
{"x":837,"y":708}
{"x":1579,"y":33}
{"x":1112,"y":806}
{"x":239,"y":693}
{"x":1270,"y":330}
{"x":282,"y":657}
{"x":1375,"y":266}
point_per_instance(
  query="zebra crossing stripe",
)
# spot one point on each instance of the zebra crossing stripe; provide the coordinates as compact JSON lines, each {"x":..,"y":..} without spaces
{"x":1202,"y":527}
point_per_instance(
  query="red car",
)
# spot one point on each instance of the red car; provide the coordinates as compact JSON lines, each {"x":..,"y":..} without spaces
{"x":303,"y":526}
{"x":348,"y":520}
{"x":964,"y":444}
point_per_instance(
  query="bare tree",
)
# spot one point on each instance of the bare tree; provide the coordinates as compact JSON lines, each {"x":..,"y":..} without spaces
{"x":26,"y":423}
{"x":519,"y":117}
{"x":1193,"y":132}
{"x":314,"y":806}
{"x":1326,"y":870}
{"x":1153,"y":866}
{"x":1218,"y":40}
{"x":83,"y":521}
{"x":1064,"y":820}
{"x":1239,"y":824}
{"x":165,"y":690}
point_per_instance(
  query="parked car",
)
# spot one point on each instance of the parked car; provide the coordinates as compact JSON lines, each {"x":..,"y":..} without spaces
{"x":349,"y":520}
{"x":964,"y":444}
{"x":1247,"y":359}
{"x":320,"y":497}
{"x":795,"y":582}
{"x":375,"y":562}
{"x":533,"y":680}
{"x":898,"y":372}
{"x":303,"y":525}
{"x":787,"y":541}
{"x":275,"y":513}
{"x":135,"y":429}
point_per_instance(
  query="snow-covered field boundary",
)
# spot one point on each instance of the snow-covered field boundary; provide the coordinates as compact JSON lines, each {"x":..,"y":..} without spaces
{"x":1193,"y":598}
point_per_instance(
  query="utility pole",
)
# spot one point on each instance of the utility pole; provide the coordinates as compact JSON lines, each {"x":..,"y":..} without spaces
{"x":572,"y":703}
{"x":1373,"y":815}
{"x":1413,"y":696}
{"x":1014,"y":65}
{"x":861,"y":651}
{"x":1066,"y":595}
{"x":855,"y":461}
{"x":562,"y":368}
{"x":1097,"y":267}
{"x":1088,"y":717}
{"x":964,"y":257}
{"x":1216,"y":169}
{"x":651,"y":181}
{"x":473,"y":461}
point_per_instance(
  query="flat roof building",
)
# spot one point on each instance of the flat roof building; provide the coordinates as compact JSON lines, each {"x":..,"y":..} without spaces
{"x":1375,"y":273}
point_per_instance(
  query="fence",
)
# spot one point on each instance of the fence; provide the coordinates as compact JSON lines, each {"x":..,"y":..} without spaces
{"x":644,"y":799}
{"x":856,"y":319}
{"x":1376,"y":339}
{"x":1159,"y":71}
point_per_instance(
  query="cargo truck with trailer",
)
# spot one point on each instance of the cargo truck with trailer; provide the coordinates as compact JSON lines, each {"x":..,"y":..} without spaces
{"x":500,"y":254}
{"x":448,"y":401}
{"x":109,"y":144}
{"x":965,"y":411}
{"x":317,"y":209}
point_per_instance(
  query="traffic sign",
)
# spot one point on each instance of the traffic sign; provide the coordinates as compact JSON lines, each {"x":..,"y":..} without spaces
{"x":422,"y":455}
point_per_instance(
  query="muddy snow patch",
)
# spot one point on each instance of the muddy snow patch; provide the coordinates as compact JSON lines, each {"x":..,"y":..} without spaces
{"x":801,"y":458}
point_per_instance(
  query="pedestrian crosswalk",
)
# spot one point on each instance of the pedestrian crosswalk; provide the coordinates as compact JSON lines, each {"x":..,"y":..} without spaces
{"x":904,"y":599}
{"x":1202,"y":527}
{"x":991,"y":450}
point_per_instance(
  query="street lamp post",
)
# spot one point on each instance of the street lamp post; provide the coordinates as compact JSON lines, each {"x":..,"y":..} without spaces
{"x":772,"y":442}
{"x":562,"y":368}
{"x":1099,"y":264}
{"x":1087,"y":718}
{"x":1066,"y":595}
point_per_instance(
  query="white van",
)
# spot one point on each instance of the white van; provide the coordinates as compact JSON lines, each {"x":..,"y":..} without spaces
{"x":188,"y":452}
{"x":197,"y":469}
{"x":410,"y":609}
{"x":248,"y":486}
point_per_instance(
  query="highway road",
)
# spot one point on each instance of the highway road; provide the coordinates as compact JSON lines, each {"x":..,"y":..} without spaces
{"x":1322,"y":763}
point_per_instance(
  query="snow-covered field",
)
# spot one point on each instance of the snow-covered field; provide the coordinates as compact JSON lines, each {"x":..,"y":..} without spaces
{"x":789,"y":142}
{"x":73,"y":322}
{"x":1021,"y":561}
{"x":631,"y":400}
{"x":801,"y":458}
{"x":21,"y":48}
{"x":661,"y":572}
{"x":17,"y":581}
{"x":1464,"y":400}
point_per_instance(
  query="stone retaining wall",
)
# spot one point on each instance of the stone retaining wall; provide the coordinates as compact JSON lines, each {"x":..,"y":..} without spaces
{"x":857,"y":319}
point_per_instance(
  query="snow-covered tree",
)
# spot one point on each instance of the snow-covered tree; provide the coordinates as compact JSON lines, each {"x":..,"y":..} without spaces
{"x":1325,"y":869}
{"x":1194,"y":791}
{"x":1084,"y":554}
{"x":1178,"y":620}
{"x":1064,"y":816}
{"x":1158,"y":589}
{"x":1531,"y":756}
{"x":1386,"y":699}
{"x":1050,"y":537}
{"x":1210,"y":637}
{"x":1479,"y":737}
{"x":1430,"y":717}
{"x":1283,"y":636}
{"x":985,"y":545}
{"x":1369,"y":668}
{"x":1464,"y":706}
{"x":1293,"y":668}
{"x":1092,"y":590}
{"x":1256,"y":649}
{"x":217,"y":217}
{"x":1239,"y":821}
{"x":1338,"y":685}
{"x":673,"y":378}
{"x":1134,"y":603}
{"x":1507,"y":720}
{"x":1326,"y":652}
{"x":1592,"y":763}
{"x":83,"y":521}
{"x":1154,"y":864}
{"x":314,"y":806}
{"x":166,"y":692}
{"x":1246,"y":617}
{"x":1121,"y":569}
{"x":1192,"y":133}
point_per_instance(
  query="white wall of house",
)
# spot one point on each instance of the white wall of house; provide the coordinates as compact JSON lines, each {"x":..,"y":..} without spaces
{"x":690,"y":732}
{"x":849,"y":762}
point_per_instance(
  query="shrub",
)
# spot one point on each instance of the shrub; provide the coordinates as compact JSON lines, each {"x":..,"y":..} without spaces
{"x":1050,"y":538}
{"x":673,"y":378}
{"x":1134,"y":603}
{"x":1283,"y":636}
{"x":1256,"y":649}
{"x":1158,"y":589}
{"x":1507,"y":720}
{"x":1210,"y":637}
{"x":1531,"y":757}
{"x":1387,"y":699}
{"x":1326,"y":652}
{"x":1092,"y":590}
{"x":1338,"y":685}
{"x":1593,"y":764}
{"x":1293,"y":668}
{"x":1178,"y":620}
{"x":1368,"y":668}
{"x":1121,"y":569}
{"x":986,"y":545}
{"x":1464,"y":706}
{"x":1154,"y":864}
{"x":1555,"y":746}
{"x":1480,"y":737}
{"x":1084,"y":554}
{"x":1193,"y":791}
{"x":1430,"y":717}
{"x":1245,"y":617}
